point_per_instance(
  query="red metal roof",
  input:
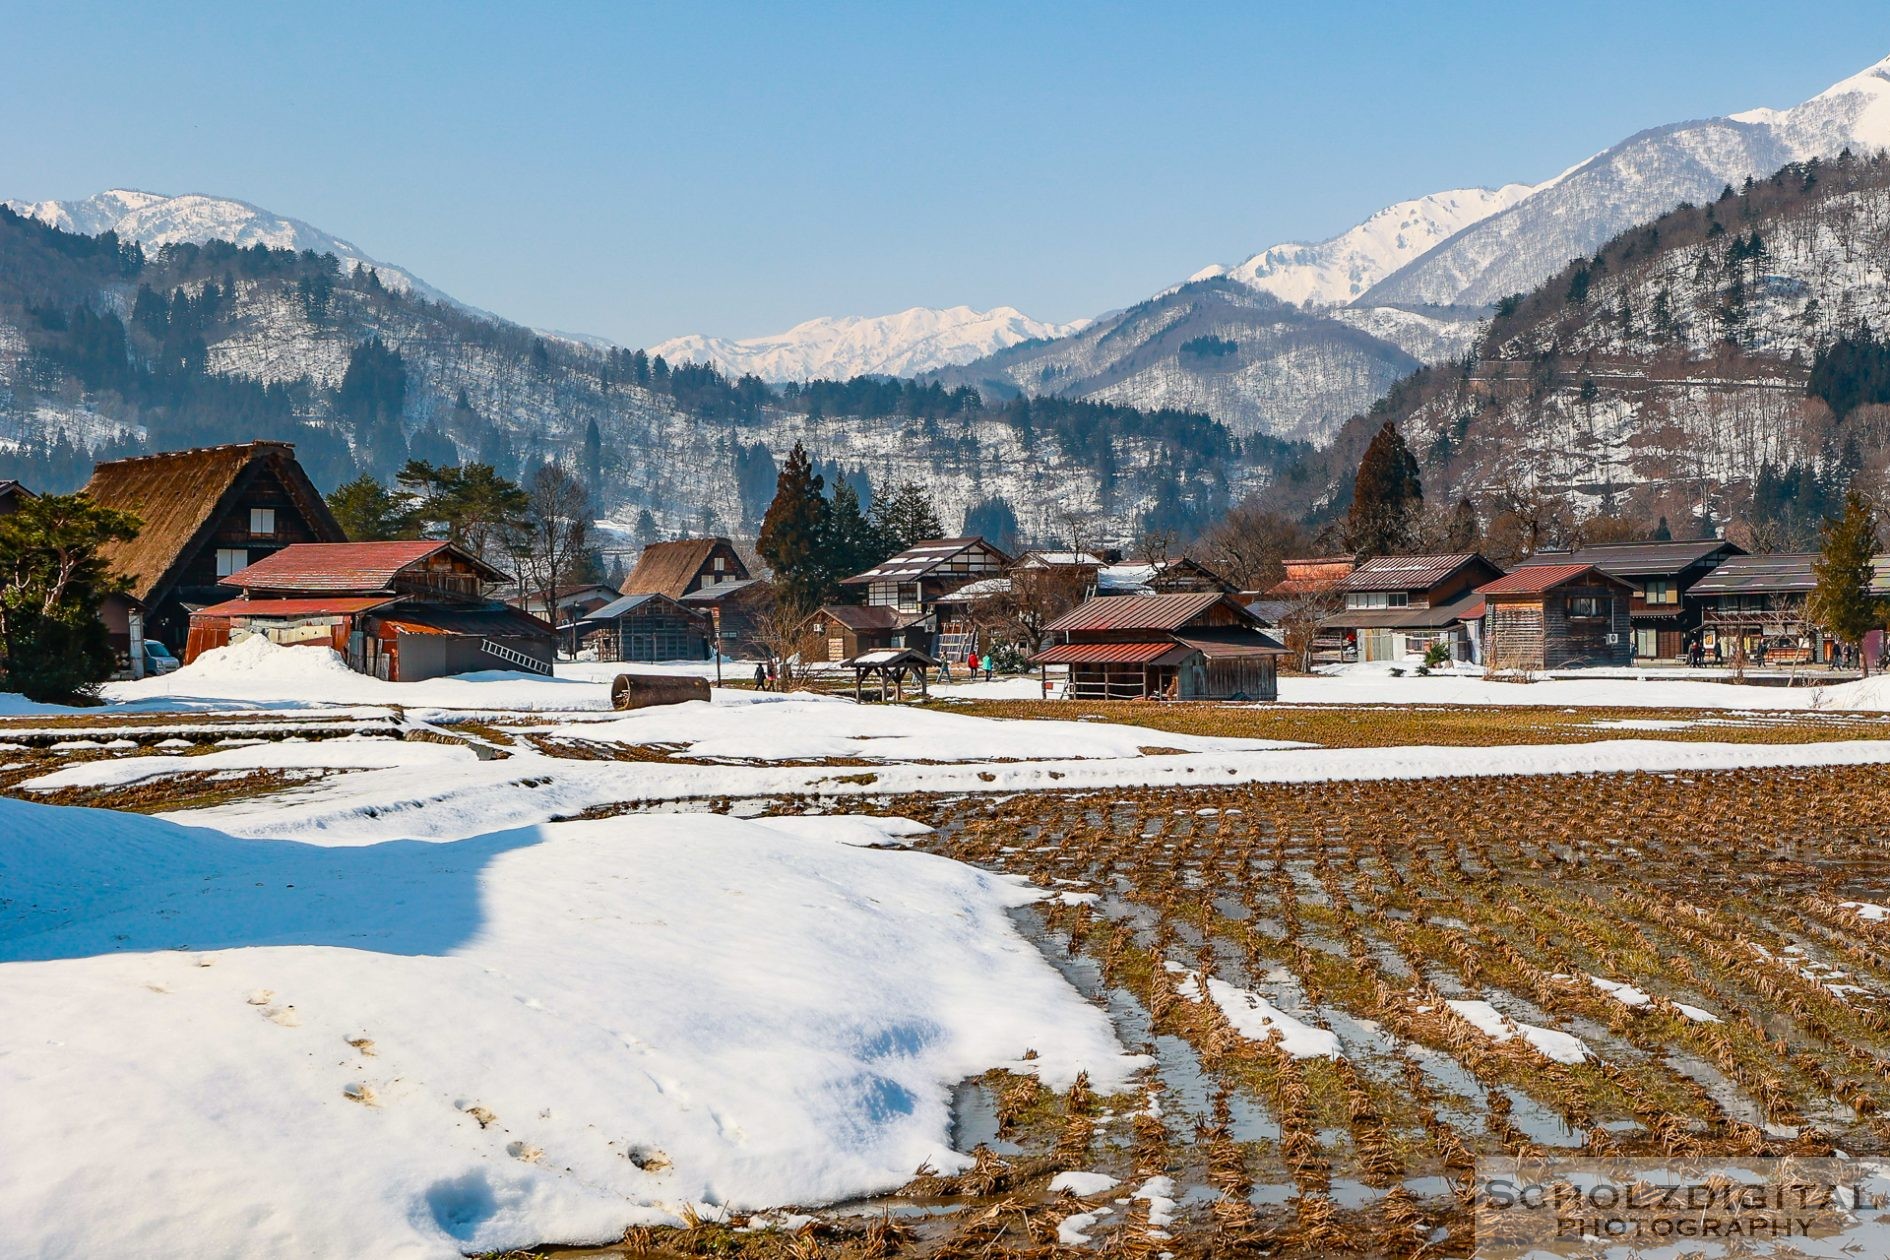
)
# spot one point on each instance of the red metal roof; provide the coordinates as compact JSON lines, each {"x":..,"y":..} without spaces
{"x":1106,"y":653}
{"x":362,"y":566}
{"x":292,"y":607}
{"x":1140,"y":612}
{"x":1535,"y":579}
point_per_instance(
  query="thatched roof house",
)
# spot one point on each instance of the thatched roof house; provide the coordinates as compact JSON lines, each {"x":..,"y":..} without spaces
{"x":205,"y":514}
{"x":685,"y":566}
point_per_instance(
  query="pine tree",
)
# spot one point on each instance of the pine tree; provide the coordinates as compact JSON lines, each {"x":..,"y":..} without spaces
{"x":1386,"y":497}
{"x":1663,"y":532}
{"x":794,"y":533}
{"x":53,"y":645}
{"x":594,"y":461}
{"x":1841,"y":602}
{"x":368,"y":512}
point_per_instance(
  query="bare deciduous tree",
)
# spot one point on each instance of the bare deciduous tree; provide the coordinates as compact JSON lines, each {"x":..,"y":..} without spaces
{"x":1249,"y":546}
{"x":549,"y":546}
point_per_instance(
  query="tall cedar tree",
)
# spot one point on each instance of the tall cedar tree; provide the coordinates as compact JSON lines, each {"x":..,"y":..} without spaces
{"x":794,"y":534}
{"x":1841,"y":602}
{"x":1463,"y":532}
{"x":52,"y":583}
{"x":1386,"y":497}
{"x":907,"y":516}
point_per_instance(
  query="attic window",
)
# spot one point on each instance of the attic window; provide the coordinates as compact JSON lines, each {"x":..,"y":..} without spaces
{"x":262,"y":521}
{"x":720,"y":564}
{"x":230,"y":559}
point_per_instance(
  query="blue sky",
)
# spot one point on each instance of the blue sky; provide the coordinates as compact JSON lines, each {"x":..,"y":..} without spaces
{"x":644,"y":171}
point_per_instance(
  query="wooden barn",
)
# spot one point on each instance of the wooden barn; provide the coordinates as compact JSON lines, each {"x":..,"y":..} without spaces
{"x":1557,"y":616}
{"x":207,"y":513}
{"x":647,"y":627}
{"x":400,"y":611}
{"x":735,"y":610}
{"x":1199,"y":646}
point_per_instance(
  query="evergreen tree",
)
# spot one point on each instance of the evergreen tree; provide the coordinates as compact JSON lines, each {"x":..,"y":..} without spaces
{"x":368,"y":512}
{"x":1841,"y":602}
{"x":53,"y":581}
{"x":372,"y":395}
{"x":1386,"y":497}
{"x":1663,"y":532}
{"x":853,"y":544}
{"x":594,"y":461}
{"x":906,"y":516}
{"x":794,"y":533}
{"x":647,"y":532}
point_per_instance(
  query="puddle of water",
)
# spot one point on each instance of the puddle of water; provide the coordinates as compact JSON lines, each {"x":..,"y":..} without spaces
{"x":975,"y":1120}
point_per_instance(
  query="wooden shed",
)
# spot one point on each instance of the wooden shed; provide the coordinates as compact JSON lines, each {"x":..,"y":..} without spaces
{"x":1557,"y":616}
{"x":647,"y":627}
{"x":1198,"y":646}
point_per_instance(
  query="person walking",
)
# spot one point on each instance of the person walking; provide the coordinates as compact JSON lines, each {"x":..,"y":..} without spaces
{"x":761,"y":676}
{"x":989,"y":664}
{"x":971,"y":662}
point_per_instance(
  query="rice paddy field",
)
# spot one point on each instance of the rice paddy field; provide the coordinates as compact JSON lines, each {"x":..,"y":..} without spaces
{"x":1347,"y":992}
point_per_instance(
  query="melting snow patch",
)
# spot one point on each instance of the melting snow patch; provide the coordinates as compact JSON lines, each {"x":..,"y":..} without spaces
{"x":1868,"y":911}
{"x":1082,"y":1184}
{"x":1256,"y":1019}
{"x":1630,"y":996}
{"x":1559,"y":1046}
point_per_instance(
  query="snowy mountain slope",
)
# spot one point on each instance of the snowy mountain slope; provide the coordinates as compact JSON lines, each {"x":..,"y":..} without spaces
{"x":1639,"y":178}
{"x":838,"y":347}
{"x":1253,"y":362}
{"x":1677,"y":366}
{"x":1337,"y":271}
{"x":155,"y":219}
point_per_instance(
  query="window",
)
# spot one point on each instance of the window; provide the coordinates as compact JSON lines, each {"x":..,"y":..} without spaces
{"x":262,"y":521}
{"x":1660,"y":591}
{"x":720,"y":564}
{"x":1584,"y":606}
{"x":230,"y":559}
{"x":1378,"y":599}
{"x":1646,"y":641}
{"x":908,"y":595}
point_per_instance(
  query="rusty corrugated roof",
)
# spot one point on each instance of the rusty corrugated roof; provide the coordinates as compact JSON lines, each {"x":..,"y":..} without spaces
{"x":1406,"y":573}
{"x":338,"y":567}
{"x":1535,"y":579}
{"x":1107,"y":653}
{"x":331,"y":607}
{"x":1139,"y":612}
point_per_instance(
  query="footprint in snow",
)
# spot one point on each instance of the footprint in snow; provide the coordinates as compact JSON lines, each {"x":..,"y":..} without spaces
{"x":361,"y":1092}
{"x":283,"y":1015}
{"x":363,"y":1044}
{"x":261,"y":997}
{"x":524,"y":1151}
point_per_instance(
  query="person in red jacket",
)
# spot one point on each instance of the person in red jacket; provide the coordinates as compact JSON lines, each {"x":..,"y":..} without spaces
{"x":971,"y":664}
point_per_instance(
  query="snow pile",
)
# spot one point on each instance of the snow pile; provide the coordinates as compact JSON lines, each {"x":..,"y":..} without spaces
{"x":1257,"y":1019}
{"x":1868,"y":911}
{"x":1559,"y":1046}
{"x":255,"y":671}
{"x":220,"y":1047}
{"x":1372,"y":682}
{"x":1083,"y":1185}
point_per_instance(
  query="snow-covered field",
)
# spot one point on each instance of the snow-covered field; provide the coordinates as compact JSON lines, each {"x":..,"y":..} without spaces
{"x":398,"y":1010}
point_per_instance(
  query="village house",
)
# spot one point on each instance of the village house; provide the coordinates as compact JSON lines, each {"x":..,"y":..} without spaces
{"x":1312,"y":588}
{"x":12,"y":494}
{"x":735,"y":611}
{"x":569,"y":605}
{"x":1662,"y":573}
{"x":1195,"y":646}
{"x":1753,"y":608}
{"x":684,"y":566}
{"x":1556,"y":616}
{"x":1398,"y":606}
{"x":906,"y":590}
{"x":400,"y":611}
{"x":850,"y":630}
{"x":646,"y":627}
{"x":206,"y":514}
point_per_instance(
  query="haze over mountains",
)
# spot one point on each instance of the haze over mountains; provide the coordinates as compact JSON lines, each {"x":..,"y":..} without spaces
{"x":913,"y":341}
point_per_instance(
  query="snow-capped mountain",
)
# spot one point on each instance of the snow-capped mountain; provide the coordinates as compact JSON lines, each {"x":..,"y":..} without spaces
{"x":1641,"y":177}
{"x":834,"y":348}
{"x":1337,"y":271}
{"x":155,"y":219}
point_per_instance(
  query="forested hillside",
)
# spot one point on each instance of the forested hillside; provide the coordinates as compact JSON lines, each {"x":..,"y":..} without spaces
{"x":1723,"y":358}
{"x":106,"y":349}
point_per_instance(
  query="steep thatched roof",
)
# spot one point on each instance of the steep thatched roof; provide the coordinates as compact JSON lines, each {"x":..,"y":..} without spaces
{"x":177,"y":497}
{"x":667,"y":568}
